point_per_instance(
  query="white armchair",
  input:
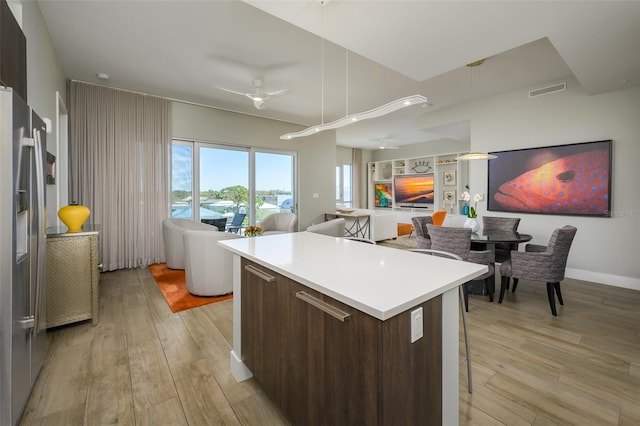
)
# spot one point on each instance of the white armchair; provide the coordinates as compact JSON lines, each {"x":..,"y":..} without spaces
{"x":172,"y":232}
{"x":279,"y":223}
{"x":208,"y":267}
{"x":333,"y":228}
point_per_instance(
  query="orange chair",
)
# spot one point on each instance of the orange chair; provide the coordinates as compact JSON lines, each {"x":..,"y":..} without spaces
{"x":438,"y":217}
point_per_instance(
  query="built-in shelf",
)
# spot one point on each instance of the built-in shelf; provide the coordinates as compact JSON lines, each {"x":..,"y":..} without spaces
{"x":449,"y":175}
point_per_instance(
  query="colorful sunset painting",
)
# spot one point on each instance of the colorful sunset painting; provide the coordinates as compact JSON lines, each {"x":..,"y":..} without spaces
{"x":565,"y":180}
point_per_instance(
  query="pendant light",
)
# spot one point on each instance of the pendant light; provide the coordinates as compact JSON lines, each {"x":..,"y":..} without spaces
{"x":352,"y":118}
{"x":475,"y":155}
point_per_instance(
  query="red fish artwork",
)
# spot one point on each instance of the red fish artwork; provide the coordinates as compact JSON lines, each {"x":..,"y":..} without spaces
{"x":575,"y":184}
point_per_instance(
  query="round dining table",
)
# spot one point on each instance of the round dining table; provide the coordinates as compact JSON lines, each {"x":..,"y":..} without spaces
{"x":490,"y":238}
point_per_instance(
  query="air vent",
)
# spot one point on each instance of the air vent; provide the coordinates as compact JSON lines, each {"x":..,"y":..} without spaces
{"x":547,"y":90}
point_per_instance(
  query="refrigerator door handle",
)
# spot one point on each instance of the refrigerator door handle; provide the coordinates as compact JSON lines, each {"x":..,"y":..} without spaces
{"x":40,"y":302}
{"x":26,"y":323}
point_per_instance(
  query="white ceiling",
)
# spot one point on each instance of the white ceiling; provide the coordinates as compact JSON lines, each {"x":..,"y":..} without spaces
{"x":182,"y":49}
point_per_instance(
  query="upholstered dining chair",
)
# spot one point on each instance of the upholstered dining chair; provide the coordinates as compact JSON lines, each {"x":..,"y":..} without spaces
{"x":422,"y":233}
{"x":438,"y":217}
{"x":495,"y":223}
{"x":462,"y":310}
{"x":541,"y":263}
{"x":458,"y":242}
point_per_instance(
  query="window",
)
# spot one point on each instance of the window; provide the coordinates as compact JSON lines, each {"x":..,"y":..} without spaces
{"x":344,"y":185}
{"x":230,"y":179}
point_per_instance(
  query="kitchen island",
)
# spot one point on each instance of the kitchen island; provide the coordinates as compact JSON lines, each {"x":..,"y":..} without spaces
{"x":325,"y":326}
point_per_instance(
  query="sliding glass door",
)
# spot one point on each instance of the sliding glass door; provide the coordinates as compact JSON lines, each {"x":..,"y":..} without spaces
{"x":274,"y":183}
{"x":227,"y":180}
{"x":224,"y":184}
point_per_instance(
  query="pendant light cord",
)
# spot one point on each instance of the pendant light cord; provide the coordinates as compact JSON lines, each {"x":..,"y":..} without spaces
{"x":322,"y":62}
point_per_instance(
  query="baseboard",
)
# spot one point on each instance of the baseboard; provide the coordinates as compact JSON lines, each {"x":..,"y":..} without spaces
{"x":600,"y":278}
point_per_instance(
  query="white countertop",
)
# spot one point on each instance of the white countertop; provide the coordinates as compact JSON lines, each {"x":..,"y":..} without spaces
{"x":377,"y":280}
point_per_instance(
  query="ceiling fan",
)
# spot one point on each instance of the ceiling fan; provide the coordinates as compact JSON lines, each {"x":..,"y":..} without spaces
{"x":383,"y":143}
{"x":259,"y":96}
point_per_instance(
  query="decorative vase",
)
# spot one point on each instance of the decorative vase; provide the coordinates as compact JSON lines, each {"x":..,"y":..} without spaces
{"x":74,"y":216}
{"x":472,"y":223}
{"x":465,"y":209}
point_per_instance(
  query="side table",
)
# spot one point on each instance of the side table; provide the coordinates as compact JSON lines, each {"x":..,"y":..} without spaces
{"x":72,"y":275}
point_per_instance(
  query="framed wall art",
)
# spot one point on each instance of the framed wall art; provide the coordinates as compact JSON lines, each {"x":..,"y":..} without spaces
{"x":449,"y":197}
{"x":449,"y":177}
{"x":572,"y":179}
{"x":383,"y":193}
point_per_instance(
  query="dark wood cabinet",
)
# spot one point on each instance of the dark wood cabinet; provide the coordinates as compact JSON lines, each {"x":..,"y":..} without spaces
{"x":13,"y":52}
{"x":321,"y":370}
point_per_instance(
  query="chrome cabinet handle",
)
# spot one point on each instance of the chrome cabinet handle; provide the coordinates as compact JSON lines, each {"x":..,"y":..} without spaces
{"x":255,"y":271}
{"x":323,"y":306}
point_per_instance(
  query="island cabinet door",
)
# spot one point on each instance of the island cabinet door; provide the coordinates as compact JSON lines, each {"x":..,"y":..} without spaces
{"x":341,"y":363}
{"x":272,"y":326}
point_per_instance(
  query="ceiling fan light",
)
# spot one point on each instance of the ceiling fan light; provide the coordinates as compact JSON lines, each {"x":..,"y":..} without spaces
{"x":476,"y":156}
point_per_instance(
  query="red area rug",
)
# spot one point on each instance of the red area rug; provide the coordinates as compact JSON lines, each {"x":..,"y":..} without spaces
{"x":173,"y":286}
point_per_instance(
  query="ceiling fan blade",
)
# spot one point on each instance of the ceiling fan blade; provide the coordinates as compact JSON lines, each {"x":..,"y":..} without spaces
{"x":276,"y":92}
{"x":233,"y":91}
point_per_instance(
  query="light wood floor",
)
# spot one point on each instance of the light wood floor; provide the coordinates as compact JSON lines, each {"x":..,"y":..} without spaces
{"x":144,"y":365}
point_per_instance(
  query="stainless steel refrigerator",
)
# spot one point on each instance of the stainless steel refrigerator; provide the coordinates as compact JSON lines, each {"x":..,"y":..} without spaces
{"x":23,"y":343}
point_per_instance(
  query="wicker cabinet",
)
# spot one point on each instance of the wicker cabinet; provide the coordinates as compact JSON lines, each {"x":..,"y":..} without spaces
{"x":72,"y":276}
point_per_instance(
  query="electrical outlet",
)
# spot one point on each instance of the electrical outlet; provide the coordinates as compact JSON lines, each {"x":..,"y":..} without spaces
{"x":416,"y":324}
{"x":316,"y":195}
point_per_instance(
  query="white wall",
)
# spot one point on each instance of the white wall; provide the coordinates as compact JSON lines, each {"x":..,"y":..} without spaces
{"x":605,"y":250}
{"x":44,"y":78}
{"x":344,"y":155}
{"x":316,"y":154}
{"x":441,"y":146}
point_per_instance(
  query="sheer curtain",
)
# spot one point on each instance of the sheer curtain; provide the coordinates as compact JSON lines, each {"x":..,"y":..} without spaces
{"x":118,"y":167}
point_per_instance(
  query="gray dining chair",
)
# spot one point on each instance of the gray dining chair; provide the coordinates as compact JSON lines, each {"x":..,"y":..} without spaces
{"x":458,"y":242}
{"x":462,"y":310}
{"x":422,"y":233}
{"x":541,"y":263}
{"x":495,"y":223}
